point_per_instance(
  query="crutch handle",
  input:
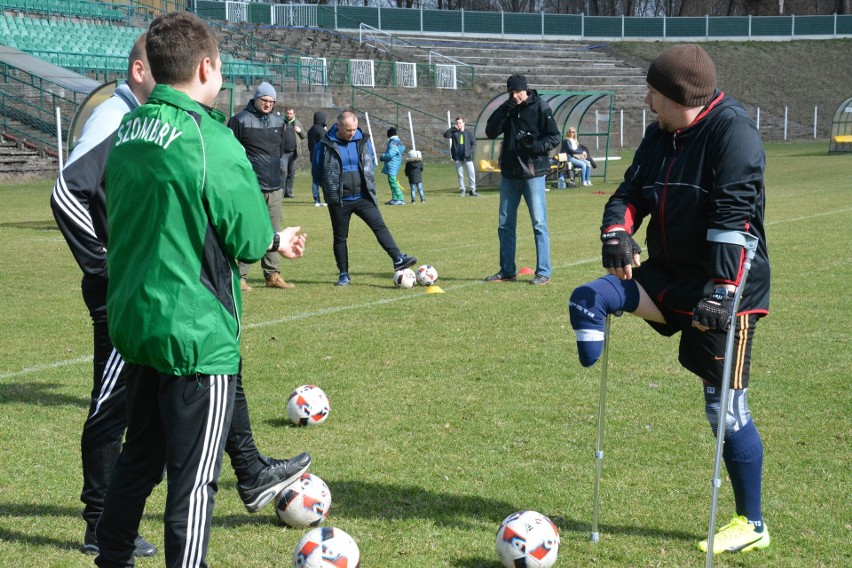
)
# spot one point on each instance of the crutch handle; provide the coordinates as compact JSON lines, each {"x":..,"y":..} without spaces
{"x":741,"y":238}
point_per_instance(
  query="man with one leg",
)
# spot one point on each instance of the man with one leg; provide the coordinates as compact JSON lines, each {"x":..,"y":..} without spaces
{"x":342,"y":164}
{"x":529,"y":133}
{"x":700,"y":167}
{"x":177,"y":223}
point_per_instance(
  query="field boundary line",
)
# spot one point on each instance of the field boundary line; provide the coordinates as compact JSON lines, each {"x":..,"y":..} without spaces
{"x":338,"y":309}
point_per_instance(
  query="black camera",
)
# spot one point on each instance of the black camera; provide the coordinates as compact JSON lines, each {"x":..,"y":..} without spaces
{"x":525,"y":139}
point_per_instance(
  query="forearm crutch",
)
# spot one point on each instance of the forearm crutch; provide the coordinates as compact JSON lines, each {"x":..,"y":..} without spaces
{"x":749,"y":243}
{"x":595,"y":537}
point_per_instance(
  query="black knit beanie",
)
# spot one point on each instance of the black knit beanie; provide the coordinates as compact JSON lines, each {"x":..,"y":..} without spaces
{"x":685,"y":74}
{"x":391,"y":131}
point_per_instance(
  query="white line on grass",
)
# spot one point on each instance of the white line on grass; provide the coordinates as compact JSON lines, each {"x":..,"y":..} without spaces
{"x":53,"y":365}
{"x":338,"y":309}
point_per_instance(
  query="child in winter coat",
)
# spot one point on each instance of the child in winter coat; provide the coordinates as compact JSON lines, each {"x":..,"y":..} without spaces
{"x":393,"y":160}
{"x":414,"y":173}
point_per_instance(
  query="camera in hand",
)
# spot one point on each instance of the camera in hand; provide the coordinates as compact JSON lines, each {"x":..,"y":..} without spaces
{"x":525,"y":139}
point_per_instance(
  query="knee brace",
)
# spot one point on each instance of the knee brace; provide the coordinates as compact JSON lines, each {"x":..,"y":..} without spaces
{"x":588,"y":308}
{"x":736,"y":417}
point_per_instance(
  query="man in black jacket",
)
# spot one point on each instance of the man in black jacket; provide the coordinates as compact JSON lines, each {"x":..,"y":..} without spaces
{"x":342,"y":165}
{"x":315,"y":134}
{"x":529,"y":134}
{"x":461,"y":150}
{"x":261,"y":132}
{"x":699,"y":168}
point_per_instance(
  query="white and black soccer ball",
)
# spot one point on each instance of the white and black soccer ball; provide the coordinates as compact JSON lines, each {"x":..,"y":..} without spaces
{"x":404,"y":278}
{"x":308,"y":406}
{"x":527,"y":538}
{"x":426,"y":275}
{"x":326,"y":547}
{"x":304,"y":503}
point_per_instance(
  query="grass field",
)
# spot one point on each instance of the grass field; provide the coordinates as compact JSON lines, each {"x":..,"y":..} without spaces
{"x":451,"y":411}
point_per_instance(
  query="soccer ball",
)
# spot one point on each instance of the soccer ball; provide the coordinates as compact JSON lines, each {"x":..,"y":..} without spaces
{"x":308,"y":405}
{"x":304,"y":503}
{"x":326,"y":547}
{"x":426,"y":275}
{"x":527,"y":538}
{"x":404,"y":278}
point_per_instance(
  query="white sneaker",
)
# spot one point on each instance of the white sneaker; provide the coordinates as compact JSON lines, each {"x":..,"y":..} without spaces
{"x":317,"y":204}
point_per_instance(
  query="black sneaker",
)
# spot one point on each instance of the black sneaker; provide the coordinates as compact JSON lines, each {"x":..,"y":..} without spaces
{"x":143,"y":548}
{"x":277,"y":475}
{"x":404,"y":261}
{"x":539,"y":280}
{"x":500,"y":277}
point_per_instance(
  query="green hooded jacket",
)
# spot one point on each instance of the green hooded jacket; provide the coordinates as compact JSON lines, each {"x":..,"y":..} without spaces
{"x":182,"y":204}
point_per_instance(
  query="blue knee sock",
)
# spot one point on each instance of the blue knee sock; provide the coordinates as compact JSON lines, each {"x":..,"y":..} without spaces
{"x":743,"y":455}
{"x":588,"y":308}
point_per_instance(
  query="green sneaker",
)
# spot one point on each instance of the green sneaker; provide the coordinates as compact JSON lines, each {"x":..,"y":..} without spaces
{"x":737,"y":536}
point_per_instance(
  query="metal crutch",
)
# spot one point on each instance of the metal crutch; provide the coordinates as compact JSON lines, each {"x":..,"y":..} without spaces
{"x":749,"y":243}
{"x":595,"y":537}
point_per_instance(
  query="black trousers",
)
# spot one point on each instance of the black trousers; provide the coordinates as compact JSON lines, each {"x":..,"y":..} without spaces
{"x":179,"y":423}
{"x":370,"y":214}
{"x":289,"y":161}
{"x":104,"y":428}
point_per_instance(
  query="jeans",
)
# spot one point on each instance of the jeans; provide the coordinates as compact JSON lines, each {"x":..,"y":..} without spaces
{"x":315,"y":190}
{"x":417,"y":187}
{"x":461,"y":168}
{"x":585,"y":168}
{"x":511,"y":191}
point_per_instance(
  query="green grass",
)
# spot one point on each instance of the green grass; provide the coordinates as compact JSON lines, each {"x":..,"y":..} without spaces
{"x":451,"y":411}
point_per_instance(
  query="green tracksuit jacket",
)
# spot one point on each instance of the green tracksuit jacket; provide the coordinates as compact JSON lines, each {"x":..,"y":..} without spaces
{"x":182,"y":203}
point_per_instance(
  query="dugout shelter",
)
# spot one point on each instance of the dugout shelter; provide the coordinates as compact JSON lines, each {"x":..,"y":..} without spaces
{"x":589,"y":111}
{"x":840,"y":141}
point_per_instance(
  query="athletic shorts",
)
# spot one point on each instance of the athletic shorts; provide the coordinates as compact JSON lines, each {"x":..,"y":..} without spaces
{"x":703,"y":352}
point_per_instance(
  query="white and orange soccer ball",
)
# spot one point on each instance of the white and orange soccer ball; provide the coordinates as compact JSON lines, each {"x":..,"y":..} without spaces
{"x":308,"y":406}
{"x":326,"y":547}
{"x":304,"y":503}
{"x":426,"y":275}
{"x":404,"y":278}
{"x":527,"y":538}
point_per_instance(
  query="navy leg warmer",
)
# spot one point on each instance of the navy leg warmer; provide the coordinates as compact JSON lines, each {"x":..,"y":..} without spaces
{"x":588,"y":308}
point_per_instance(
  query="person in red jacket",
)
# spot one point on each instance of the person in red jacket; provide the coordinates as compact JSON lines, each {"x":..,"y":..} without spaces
{"x":699,"y":168}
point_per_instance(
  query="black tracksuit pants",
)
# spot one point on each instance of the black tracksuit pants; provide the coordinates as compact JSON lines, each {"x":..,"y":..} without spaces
{"x":367,"y":210}
{"x":104,"y":428}
{"x":179,"y":423}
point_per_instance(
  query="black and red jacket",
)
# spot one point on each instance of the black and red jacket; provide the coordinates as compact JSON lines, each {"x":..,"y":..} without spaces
{"x":709,"y":175}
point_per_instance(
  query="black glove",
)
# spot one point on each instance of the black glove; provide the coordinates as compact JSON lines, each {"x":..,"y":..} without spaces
{"x":620,"y":254}
{"x":715,"y":311}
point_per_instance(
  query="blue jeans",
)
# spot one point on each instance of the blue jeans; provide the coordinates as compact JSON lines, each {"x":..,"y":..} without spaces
{"x":417,"y":187}
{"x":315,"y":191}
{"x":585,"y":168}
{"x":532,"y":191}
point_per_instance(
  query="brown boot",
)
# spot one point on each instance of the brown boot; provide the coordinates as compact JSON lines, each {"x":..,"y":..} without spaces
{"x":275,"y":281}
{"x":244,"y":285}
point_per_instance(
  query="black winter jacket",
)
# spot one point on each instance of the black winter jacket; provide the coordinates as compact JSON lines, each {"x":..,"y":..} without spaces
{"x":262,"y":137}
{"x":469,"y":144}
{"x":533,"y":116}
{"x":414,"y":171}
{"x":329,"y":165}
{"x":709,"y":175}
{"x":316,"y":132}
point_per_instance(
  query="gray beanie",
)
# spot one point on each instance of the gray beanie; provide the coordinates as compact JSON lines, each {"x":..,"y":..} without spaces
{"x":264,"y":90}
{"x":685,"y":74}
